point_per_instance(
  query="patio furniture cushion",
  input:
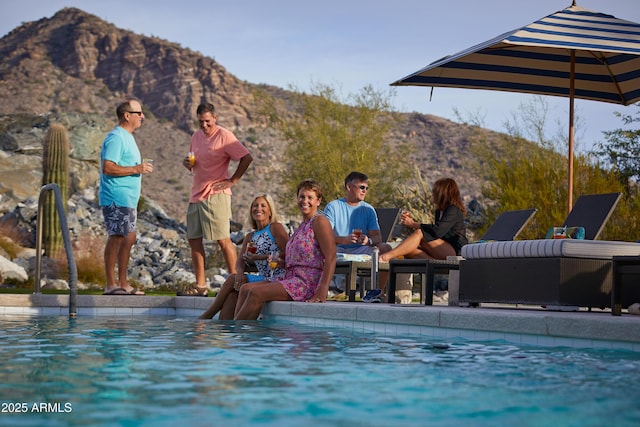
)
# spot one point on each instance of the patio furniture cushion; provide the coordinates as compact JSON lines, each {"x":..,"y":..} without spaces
{"x":546,"y":248}
{"x":353,"y":257}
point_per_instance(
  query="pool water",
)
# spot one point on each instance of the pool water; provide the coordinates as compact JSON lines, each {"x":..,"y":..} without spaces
{"x":185,"y":372}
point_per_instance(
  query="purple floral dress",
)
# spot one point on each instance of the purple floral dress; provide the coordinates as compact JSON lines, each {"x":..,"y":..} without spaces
{"x":304,"y":262}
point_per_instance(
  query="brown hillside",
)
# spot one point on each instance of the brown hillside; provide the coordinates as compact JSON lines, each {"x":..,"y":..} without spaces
{"x":74,"y":68}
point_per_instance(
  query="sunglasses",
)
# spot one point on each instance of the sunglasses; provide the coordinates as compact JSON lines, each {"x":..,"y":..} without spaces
{"x":363,"y":187}
{"x":135,"y":112}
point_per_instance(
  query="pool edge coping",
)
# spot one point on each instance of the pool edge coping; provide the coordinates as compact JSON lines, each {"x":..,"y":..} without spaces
{"x":518,"y":325}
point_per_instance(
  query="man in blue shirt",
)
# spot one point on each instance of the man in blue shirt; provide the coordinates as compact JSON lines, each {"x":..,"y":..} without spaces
{"x":121,"y":170}
{"x":351,"y":213}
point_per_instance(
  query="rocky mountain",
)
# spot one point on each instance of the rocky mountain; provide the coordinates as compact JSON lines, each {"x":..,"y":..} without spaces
{"x":74,"y":68}
{"x":75,"y":61}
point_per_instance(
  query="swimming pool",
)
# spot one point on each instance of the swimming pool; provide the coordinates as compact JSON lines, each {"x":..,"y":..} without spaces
{"x":165,"y":372}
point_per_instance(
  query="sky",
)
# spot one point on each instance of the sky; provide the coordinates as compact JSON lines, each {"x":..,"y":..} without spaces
{"x":350,"y":44}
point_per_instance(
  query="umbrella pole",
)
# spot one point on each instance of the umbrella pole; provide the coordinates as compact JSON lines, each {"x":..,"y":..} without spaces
{"x":570,"y":156}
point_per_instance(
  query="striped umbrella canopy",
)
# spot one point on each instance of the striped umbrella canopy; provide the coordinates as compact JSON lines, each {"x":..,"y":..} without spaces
{"x":574,"y":53}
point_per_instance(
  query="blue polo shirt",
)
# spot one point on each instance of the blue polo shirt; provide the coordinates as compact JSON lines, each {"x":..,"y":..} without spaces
{"x":124,"y":191}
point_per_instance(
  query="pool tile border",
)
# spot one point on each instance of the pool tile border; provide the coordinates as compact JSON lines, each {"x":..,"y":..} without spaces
{"x":519,"y":326}
{"x":102,"y":305}
{"x":515,"y":325}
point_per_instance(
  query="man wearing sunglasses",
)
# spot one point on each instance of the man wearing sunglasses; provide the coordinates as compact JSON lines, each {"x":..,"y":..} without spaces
{"x":355,"y":225}
{"x":121,"y":170}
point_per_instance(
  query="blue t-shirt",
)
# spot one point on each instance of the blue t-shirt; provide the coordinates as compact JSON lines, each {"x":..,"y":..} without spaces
{"x":344,"y":218}
{"x":124,"y":191}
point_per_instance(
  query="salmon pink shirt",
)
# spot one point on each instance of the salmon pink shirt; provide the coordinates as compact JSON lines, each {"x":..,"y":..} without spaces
{"x":213,"y":155}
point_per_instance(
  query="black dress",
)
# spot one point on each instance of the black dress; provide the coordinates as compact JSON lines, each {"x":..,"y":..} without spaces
{"x":449,"y":226}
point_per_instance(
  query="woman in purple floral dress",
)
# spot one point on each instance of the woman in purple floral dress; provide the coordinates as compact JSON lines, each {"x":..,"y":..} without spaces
{"x":310,"y":260}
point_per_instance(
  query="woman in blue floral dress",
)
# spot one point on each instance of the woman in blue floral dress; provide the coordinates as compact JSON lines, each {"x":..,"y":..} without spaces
{"x":310,"y":260}
{"x":269,"y":236}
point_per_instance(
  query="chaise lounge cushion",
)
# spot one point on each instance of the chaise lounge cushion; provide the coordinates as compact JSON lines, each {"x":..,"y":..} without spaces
{"x":545,"y":248}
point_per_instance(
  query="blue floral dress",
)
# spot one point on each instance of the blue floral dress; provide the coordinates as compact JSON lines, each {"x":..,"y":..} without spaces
{"x":265,"y":244}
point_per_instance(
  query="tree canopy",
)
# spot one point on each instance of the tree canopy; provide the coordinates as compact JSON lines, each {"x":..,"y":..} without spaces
{"x":330,"y":136}
{"x":622,"y":148}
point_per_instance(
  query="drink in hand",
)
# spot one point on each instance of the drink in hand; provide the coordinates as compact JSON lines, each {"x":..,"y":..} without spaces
{"x":358,"y":233}
{"x":192,"y":158}
{"x":273,"y":259}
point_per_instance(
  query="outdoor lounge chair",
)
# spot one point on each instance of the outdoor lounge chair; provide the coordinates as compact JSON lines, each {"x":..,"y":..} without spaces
{"x":387,"y":219}
{"x":506,"y":227}
{"x":592,"y":212}
{"x":548,"y":272}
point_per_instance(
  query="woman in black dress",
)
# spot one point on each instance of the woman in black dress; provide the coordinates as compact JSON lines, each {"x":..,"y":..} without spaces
{"x":444,"y":237}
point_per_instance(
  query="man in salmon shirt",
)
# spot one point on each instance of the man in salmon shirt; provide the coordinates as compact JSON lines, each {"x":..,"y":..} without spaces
{"x":209,"y":212}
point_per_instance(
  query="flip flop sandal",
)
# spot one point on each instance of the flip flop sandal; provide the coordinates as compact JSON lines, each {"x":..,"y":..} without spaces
{"x":116,"y":291}
{"x":195,"y":291}
{"x":134,"y":291}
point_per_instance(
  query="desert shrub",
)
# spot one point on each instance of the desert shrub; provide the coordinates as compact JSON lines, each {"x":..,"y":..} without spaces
{"x":89,"y":255}
{"x":330,"y":135}
{"x":12,"y":238}
{"x":9,"y":246}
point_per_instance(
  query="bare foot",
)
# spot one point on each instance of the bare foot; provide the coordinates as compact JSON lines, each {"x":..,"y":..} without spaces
{"x":133,"y":291}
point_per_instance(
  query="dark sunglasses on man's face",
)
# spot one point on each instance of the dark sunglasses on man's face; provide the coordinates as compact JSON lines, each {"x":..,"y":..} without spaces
{"x":363,"y":187}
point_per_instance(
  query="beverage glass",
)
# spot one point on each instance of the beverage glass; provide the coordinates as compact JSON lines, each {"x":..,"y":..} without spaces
{"x":147,"y":160}
{"x":404,"y":215}
{"x":273,"y":259}
{"x":192,"y":160}
{"x":358,"y":233}
{"x":252,"y":248}
{"x":559,"y":232}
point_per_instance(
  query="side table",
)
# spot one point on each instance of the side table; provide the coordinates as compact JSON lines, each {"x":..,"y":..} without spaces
{"x":623,"y":267}
{"x":353,"y":269}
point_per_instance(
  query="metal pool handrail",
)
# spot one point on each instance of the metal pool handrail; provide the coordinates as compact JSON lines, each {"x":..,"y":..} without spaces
{"x":71,"y":262}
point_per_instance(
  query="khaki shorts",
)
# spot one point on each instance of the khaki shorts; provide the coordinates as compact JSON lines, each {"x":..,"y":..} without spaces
{"x":210,"y":218}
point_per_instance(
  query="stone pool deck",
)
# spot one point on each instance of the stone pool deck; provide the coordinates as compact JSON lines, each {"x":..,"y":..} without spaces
{"x":518,"y":325}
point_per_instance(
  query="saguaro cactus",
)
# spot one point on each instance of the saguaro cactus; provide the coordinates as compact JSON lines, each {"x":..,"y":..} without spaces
{"x":55,"y":169}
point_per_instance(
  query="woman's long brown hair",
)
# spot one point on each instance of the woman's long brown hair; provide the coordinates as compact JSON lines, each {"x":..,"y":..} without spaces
{"x":446,"y":192}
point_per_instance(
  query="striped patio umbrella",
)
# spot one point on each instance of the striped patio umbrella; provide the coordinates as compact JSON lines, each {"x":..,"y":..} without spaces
{"x":574,"y":53}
